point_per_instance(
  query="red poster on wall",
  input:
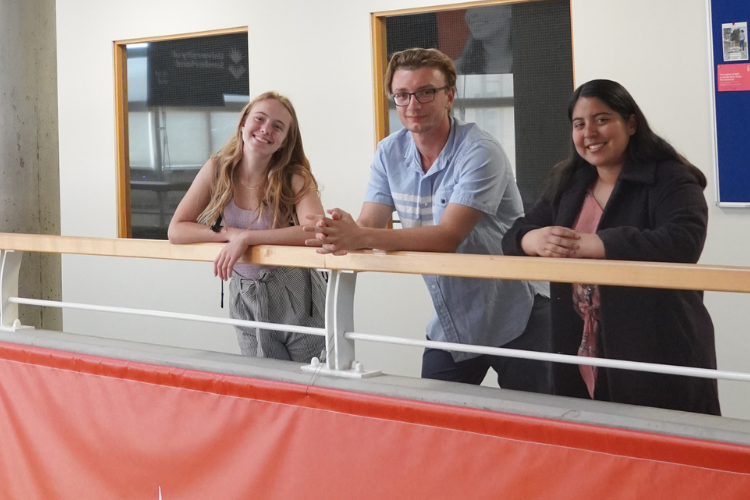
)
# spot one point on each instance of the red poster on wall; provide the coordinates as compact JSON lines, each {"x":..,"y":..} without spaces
{"x":82,"y":427}
{"x":733,"y":77}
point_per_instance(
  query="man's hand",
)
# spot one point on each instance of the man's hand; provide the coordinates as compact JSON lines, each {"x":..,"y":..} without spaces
{"x":336,"y":234}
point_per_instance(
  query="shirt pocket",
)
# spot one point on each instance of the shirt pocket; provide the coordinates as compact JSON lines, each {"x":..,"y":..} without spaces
{"x":440,"y":201}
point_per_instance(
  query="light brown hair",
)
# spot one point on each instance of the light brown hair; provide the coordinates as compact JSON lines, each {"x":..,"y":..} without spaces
{"x":277,"y":193}
{"x":412,"y":59}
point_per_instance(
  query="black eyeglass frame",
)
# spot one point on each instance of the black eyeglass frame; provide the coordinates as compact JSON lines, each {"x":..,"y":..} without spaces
{"x":430,"y":92}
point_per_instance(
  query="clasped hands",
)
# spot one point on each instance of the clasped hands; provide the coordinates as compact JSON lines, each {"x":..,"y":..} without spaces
{"x":558,"y":241}
{"x":335,"y":234}
{"x":340,"y":233}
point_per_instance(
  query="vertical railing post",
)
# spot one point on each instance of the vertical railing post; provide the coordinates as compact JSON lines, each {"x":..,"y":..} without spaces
{"x":339,"y":317}
{"x":10,"y":266}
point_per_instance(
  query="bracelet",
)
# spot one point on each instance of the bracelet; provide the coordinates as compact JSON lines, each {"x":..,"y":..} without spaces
{"x":216,"y":228}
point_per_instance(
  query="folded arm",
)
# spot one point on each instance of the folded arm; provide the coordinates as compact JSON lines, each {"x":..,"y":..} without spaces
{"x":185,"y":229}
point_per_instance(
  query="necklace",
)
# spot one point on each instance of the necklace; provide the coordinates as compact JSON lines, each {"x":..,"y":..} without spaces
{"x":248,"y":187}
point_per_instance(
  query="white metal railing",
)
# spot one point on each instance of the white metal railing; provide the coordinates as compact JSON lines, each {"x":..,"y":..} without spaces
{"x":559,"y":358}
{"x":166,"y":314}
{"x":339,"y":310}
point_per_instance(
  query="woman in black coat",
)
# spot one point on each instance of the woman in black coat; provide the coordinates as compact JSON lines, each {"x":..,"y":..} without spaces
{"x":623,"y":194}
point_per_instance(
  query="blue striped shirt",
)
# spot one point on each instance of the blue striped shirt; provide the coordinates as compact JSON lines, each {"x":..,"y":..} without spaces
{"x":471,"y":170}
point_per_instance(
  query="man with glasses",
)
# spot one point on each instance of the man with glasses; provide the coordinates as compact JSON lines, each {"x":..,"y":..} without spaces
{"x":454,"y":191}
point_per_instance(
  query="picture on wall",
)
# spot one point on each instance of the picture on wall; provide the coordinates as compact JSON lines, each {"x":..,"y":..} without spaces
{"x":734,"y":40}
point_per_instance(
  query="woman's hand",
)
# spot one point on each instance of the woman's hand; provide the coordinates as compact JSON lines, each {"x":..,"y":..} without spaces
{"x":551,"y":241}
{"x":229,"y":255}
{"x":590,"y":246}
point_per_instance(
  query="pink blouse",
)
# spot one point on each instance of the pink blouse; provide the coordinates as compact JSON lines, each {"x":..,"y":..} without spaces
{"x":586,"y":297}
{"x":235,"y":216}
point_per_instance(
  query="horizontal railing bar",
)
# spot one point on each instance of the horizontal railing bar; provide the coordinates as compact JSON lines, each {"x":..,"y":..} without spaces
{"x":603,"y":272}
{"x":494,"y":351}
{"x":112,"y":247}
{"x":560,"y":358}
{"x":165,"y":314}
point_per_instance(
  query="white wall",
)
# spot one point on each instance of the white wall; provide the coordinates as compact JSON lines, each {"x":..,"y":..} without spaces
{"x":312,"y":51}
{"x":659,"y":50}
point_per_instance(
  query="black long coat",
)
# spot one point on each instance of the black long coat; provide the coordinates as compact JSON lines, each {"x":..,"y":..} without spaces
{"x":656,"y":212}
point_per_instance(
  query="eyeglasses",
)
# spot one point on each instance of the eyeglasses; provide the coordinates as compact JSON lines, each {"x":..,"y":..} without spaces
{"x":422,"y":96}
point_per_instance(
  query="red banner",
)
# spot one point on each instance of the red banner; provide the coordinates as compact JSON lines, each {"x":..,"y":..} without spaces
{"x":77,"y":426}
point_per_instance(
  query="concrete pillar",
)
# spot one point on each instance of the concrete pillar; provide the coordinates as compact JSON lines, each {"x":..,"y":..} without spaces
{"x":29,"y":168}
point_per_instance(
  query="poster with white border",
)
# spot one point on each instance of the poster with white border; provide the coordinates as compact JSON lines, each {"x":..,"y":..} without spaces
{"x":734,"y":39}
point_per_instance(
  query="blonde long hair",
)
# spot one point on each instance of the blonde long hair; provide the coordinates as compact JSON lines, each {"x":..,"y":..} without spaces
{"x":278,"y":194}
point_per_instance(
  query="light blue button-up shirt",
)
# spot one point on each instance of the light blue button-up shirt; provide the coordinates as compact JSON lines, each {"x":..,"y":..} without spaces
{"x":472,"y":170}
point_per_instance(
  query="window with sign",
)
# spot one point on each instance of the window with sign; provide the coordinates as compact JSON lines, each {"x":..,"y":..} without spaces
{"x":178,"y":103}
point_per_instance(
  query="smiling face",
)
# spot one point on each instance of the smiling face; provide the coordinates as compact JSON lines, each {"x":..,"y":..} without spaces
{"x":600,"y":134}
{"x":423,"y":118}
{"x":265,"y":128}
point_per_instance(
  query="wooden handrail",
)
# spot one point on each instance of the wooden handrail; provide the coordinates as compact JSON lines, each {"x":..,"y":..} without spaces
{"x":636,"y":274}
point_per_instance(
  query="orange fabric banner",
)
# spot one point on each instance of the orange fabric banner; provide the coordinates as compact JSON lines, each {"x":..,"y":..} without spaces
{"x":78,"y":426}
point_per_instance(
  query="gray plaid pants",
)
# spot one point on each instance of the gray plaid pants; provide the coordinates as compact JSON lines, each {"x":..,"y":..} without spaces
{"x":289,"y":295}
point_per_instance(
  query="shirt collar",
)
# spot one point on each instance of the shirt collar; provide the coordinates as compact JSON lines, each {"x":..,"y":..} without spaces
{"x":443,"y":159}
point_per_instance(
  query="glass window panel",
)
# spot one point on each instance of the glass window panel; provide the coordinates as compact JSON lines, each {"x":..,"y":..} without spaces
{"x":179,"y":113}
{"x":140,"y":142}
{"x":499,"y":123}
{"x":477,"y":86}
{"x":185,"y":142}
{"x":137,"y":73}
{"x":223,"y":126}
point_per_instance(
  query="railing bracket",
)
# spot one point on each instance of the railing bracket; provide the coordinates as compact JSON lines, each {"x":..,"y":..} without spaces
{"x":357,"y":370}
{"x":10,"y":265}
{"x":339,"y":319}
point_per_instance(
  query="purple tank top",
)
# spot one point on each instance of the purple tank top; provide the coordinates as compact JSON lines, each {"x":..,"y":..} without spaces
{"x":234,"y":216}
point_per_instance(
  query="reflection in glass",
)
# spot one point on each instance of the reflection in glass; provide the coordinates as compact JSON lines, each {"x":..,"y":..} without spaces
{"x":480,"y":41}
{"x":140,"y":139}
{"x":488,"y":48}
{"x":183,"y":100}
{"x":487,"y":100}
{"x":515,"y":76}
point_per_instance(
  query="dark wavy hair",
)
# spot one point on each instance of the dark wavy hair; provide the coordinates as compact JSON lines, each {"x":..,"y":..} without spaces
{"x":644,"y":145}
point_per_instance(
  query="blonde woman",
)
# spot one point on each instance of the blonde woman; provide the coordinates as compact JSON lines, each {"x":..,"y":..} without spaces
{"x":255,"y":191}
